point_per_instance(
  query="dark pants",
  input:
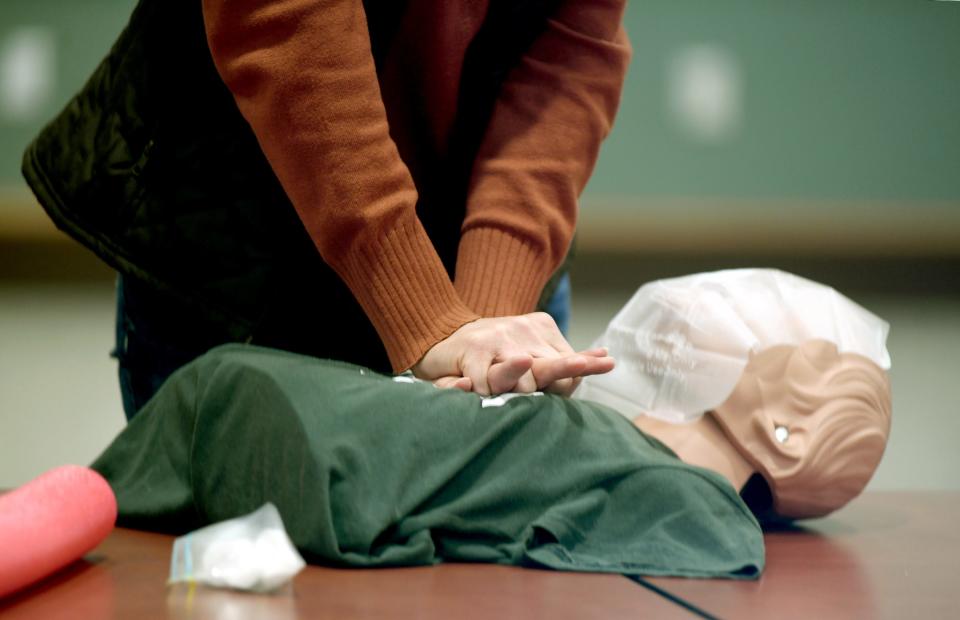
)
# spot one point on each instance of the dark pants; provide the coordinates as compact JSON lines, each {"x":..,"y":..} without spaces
{"x":156,"y":335}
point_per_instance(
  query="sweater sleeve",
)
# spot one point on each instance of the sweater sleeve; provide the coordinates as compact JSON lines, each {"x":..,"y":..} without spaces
{"x":539,"y":150}
{"x":303,"y":76}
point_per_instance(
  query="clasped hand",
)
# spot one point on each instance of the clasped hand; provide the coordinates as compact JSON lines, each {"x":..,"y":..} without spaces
{"x":524,"y":353}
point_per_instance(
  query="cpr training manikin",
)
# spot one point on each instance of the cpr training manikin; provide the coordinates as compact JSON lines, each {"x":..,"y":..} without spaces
{"x":755,"y":372}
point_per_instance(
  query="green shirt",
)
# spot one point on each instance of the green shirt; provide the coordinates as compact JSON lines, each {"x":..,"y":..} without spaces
{"x":369,"y":471}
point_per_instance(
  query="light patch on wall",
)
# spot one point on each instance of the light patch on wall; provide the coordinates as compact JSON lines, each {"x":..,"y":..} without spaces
{"x":705,"y":92}
{"x":27,"y":72}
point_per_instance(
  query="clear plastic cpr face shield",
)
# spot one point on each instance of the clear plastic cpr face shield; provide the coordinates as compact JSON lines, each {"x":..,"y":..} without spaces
{"x":792,"y":371}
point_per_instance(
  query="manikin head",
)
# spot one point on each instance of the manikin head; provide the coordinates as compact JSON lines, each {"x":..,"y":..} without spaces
{"x":811,"y":421}
{"x":791,"y":375}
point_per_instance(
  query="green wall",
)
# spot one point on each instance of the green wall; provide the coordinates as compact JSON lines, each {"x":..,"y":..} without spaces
{"x":850,"y":100}
{"x":82,"y":33}
{"x":840,"y":101}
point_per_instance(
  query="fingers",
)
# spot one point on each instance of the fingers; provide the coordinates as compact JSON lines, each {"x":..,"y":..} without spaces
{"x":595,"y":352}
{"x":457,"y":383}
{"x":562,"y":375}
{"x":550,"y":370}
{"x":524,"y":374}
{"x":598,"y":365}
{"x":506,"y":376}
{"x":494,"y":355}
{"x":563,"y":387}
{"x":526,"y":384}
{"x":476,"y":368}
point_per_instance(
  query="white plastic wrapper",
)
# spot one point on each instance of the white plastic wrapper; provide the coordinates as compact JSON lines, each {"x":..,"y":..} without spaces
{"x":681,"y":344}
{"x":252,"y":552}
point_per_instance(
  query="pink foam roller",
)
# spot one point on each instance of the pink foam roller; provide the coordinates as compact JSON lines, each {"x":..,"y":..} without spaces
{"x":51,"y":521}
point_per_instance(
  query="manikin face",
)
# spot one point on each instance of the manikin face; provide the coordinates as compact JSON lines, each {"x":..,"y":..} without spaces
{"x":812,"y":421}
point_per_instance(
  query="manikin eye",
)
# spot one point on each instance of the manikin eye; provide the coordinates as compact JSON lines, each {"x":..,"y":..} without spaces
{"x":781,"y":433}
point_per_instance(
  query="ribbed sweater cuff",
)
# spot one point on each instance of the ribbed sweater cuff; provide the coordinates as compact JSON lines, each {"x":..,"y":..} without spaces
{"x":404,"y":289}
{"x":499,"y":274}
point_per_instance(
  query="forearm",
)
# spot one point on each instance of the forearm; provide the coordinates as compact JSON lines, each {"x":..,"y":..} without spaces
{"x":540,"y":148}
{"x":303,"y":76}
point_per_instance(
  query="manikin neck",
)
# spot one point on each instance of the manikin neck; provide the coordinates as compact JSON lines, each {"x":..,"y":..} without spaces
{"x":702,"y":443}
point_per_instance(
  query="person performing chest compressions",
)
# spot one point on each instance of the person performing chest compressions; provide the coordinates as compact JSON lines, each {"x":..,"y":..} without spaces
{"x":392,"y":184}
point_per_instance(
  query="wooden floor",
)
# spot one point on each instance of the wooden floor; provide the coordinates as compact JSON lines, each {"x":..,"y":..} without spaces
{"x":888,"y":555}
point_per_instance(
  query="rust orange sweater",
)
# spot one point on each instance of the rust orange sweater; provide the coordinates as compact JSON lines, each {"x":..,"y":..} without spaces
{"x":303,"y":76}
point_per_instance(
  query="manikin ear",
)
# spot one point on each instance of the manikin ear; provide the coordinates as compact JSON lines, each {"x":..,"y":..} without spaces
{"x":813,"y":422}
